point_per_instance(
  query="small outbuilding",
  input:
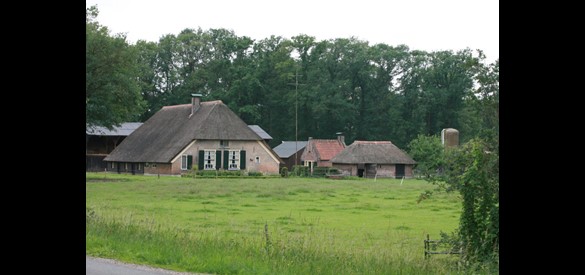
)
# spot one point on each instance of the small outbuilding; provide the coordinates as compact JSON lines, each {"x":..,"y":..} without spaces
{"x":290,"y":152}
{"x":100,"y":141}
{"x":319,"y":152}
{"x":374,"y":159}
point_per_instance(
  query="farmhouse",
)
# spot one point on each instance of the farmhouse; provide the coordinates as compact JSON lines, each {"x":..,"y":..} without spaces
{"x":206,"y":134}
{"x":290,"y":152}
{"x":374,"y":159}
{"x":100,"y":141}
{"x":319,"y":152}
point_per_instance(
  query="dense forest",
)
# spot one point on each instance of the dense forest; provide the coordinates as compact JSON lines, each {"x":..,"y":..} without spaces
{"x":368,"y":92}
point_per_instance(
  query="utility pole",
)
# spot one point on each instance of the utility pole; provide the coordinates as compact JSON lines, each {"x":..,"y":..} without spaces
{"x":296,"y":114}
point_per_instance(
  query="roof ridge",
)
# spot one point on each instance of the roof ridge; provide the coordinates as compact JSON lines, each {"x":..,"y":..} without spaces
{"x":373,"y":142}
{"x":175,"y":106}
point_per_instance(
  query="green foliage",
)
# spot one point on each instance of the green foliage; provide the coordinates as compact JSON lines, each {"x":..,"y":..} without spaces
{"x":284,"y":172}
{"x":220,"y":173}
{"x":301,"y":171}
{"x":429,"y":154}
{"x":324,"y":171}
{"x":376,"y":92}
{"x":473,"y":171}
{"x":112,"y":93}
{"x":254,"y":174}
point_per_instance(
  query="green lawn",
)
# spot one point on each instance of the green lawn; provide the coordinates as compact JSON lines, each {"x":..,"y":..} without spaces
{"x":268,"y":225}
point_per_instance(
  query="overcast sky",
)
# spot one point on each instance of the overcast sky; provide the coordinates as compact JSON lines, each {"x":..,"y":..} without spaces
{"x":429,"y":25}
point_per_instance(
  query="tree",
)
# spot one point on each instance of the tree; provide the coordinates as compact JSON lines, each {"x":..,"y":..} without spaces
{"x":380,"y":114}
{"x":433,"y":87}
{"x":112,"y":93}
{"x":473,"y":171}
{"x":429,"y":154}
{"x":485,"y":100}
{"x":148,"y":77}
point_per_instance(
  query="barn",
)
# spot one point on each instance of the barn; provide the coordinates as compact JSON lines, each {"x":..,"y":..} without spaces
{"x":374,"y":159}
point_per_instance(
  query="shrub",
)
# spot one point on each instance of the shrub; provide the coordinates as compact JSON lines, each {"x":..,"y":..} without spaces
{"x":301,"y":171}
{"x":284,"y":172}
{"x":320,"y":171}
{"x":254,"y":174}
{"x":473,"y":170}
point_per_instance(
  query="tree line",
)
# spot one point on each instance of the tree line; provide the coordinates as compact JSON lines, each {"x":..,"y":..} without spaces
{"x":368,"y":92}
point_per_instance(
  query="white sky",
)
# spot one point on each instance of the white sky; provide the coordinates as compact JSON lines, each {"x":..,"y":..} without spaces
{"x":429,"y":25}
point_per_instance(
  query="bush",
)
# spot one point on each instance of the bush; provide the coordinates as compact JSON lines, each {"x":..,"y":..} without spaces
{"x":219,"y":173}
{"x":254,"y":174}
{"x":320,"y":171}
{"x":473,"y":170}
{"x":300,"y":171}
{"x":207,"y":173}
{"x":284,"y":172}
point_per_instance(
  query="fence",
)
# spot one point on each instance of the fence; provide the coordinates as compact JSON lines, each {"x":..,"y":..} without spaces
{"x":431,"y":247}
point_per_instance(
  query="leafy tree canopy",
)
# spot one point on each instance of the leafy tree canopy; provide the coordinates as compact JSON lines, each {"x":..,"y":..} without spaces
{"x":112,"y":93}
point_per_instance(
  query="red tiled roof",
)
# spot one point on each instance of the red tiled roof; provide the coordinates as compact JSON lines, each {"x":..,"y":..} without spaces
{"x":328,"y":148}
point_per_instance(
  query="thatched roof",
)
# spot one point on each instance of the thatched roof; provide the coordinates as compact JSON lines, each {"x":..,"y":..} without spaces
{"x":125,"y":129}
{"x":379,"y":152}
{"x":172,"y":128}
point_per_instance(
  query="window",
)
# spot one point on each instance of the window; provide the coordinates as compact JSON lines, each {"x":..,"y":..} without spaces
{"x":154,"y":165}
{"x":257,"y":160}
{"x":209,"y":160}
{"x":146,"y":165}
{"x":234,"y":160}
{"x":224,"y":143}
{"x":186,"y":162}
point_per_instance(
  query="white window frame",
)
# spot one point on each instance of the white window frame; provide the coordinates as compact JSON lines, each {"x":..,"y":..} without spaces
{"x":209,"y":160}
{"x":184,"y":162}
{"x":234,"y":160}
{"x":257,"y":160}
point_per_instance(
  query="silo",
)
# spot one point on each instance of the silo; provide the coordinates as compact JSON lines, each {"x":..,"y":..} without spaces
{"x":450,"y":137}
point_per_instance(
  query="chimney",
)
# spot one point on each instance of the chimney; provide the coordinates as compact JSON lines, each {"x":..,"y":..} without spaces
{"x":196,"y":102}
{"x":340,"y":138}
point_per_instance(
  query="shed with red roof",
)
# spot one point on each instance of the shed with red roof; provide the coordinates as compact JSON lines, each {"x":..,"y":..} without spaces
{"x":319,"y":152}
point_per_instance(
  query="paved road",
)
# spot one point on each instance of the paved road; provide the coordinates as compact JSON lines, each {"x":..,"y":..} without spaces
{"x":99,"y":266}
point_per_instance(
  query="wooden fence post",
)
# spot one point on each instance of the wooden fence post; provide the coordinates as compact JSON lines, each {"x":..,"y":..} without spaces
{"x":427,"y":247}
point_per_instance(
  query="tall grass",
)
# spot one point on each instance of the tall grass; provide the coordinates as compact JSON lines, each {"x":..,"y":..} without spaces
{"x":267,"y":226}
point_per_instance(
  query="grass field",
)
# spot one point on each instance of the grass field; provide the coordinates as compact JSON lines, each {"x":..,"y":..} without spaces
{"x":268,"y":226}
